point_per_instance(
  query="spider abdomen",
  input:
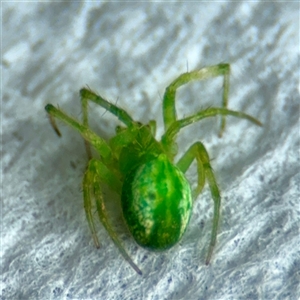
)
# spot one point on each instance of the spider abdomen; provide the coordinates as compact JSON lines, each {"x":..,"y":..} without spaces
{"x":157,"y":203}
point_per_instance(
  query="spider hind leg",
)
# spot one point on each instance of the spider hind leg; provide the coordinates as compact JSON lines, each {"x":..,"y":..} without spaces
{"x":197,"y":151}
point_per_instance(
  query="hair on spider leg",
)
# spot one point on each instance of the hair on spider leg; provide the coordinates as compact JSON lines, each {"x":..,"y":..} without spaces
{"x":106,"y":109}
{"x":89,"y":88}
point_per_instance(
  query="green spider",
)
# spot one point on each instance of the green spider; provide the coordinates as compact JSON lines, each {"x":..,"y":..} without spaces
{"x":156,"y":197}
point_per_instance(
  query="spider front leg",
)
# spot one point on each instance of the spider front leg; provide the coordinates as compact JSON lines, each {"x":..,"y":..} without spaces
{"x":97,"y":142}
{"x":197,"y":151}
{"x":96,"y":173}
{"x":169,"y":110}
{"x":88,"y":95}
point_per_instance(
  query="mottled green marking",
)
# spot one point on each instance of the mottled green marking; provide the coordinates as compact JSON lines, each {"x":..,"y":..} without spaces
{"x":157,"y":202}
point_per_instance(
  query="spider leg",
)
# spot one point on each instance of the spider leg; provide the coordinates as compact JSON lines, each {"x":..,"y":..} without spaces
{"x":97,"y":142}
{"x":96,"y":173}
{"x":152,"y":124}
{"x":121,"y":114}
{"x":197,"y":151}
{"x":169,"y":110}
{"x":84,"y":108}
{"x":88,"y":95}
{"x":169,"y":136}
{"x":186,"y":160}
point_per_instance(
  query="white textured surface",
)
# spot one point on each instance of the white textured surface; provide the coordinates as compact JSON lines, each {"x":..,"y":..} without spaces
{"x":130,"y":52}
